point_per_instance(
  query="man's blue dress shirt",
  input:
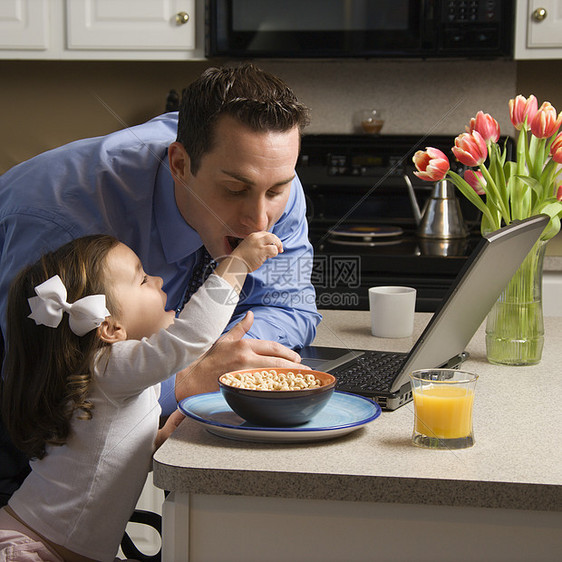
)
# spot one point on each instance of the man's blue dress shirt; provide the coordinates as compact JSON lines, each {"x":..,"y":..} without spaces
{"x":120,"y":184}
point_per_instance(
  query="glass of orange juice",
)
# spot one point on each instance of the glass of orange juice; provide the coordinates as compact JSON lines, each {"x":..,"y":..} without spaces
{"x":443,"y":400}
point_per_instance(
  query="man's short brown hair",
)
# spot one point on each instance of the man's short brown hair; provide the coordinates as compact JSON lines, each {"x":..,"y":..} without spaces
{"x":254,"y":97}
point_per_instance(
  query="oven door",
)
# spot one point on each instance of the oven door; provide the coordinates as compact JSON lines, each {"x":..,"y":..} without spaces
{"x":319,"y":28}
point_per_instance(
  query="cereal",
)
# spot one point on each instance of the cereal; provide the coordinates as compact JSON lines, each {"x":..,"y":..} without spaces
{"x":271,"y":380}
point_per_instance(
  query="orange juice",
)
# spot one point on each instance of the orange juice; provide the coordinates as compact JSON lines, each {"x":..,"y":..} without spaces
{"x":444,"y":411}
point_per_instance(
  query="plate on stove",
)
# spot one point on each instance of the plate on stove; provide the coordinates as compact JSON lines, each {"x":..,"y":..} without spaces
{"x":343,"y":414}
{"x":366,"y":243}
{"x":367,"y":231}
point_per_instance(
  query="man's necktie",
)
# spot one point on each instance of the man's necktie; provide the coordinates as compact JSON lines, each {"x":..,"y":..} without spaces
{"x":203,"y":268}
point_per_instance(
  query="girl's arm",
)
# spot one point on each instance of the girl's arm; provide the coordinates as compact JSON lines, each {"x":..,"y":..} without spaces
{"x":130,"y":366}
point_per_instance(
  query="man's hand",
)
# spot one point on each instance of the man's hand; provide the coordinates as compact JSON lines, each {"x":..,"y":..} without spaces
{"x":231,"y":353}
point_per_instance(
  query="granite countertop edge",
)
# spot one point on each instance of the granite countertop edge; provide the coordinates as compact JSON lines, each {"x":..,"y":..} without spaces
{"x":360,"y":488}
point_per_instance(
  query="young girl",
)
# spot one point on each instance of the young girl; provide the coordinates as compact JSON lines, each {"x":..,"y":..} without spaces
{"x":81,"y":386}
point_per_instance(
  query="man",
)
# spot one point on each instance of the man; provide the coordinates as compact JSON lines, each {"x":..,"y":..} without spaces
{"x":230,"y":172}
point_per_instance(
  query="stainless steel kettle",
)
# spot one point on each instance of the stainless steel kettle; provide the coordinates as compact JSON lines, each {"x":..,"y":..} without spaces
{"x":441,"y":216}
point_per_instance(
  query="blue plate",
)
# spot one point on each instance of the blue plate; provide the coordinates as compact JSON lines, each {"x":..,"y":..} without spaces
{"x":343,"y":414}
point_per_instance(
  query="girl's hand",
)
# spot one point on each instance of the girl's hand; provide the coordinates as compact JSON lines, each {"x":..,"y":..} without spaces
{"x":256,"y":248}
{"x":174,"y":419}
{"x":248,"y":256}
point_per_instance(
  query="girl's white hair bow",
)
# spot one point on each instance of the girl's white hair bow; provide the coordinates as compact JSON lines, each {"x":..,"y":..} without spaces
{"x":47,"y":308}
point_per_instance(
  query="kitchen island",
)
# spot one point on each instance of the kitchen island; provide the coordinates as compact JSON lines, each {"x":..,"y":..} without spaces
{"x":371,"y":495}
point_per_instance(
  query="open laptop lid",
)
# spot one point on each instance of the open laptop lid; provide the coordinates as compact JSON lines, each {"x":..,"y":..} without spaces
{"x":477,"y":287}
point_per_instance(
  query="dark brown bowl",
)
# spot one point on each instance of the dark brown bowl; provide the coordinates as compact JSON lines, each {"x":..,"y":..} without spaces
{"x":278,"y":408}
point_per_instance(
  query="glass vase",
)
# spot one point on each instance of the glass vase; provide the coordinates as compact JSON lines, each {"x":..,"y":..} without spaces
{"x":515,"y":326}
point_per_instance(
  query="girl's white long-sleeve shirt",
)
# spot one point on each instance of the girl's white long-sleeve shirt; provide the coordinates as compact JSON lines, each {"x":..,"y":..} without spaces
{"x":81,"y":494}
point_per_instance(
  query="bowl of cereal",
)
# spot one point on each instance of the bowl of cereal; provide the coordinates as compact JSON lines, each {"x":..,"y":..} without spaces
{"x":277,"y":397}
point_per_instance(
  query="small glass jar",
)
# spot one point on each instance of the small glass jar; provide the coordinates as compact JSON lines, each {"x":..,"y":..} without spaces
{"x":369,"y":121}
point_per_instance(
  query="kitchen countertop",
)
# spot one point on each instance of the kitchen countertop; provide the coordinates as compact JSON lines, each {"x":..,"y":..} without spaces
{"x":516,"y":461}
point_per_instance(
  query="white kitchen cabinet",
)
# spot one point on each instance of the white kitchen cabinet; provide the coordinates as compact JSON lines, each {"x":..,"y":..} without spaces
{"x":102,"y":29}
{"x":24,"y":24}
{"x":131,"y":24}
{"x":538,"y":29}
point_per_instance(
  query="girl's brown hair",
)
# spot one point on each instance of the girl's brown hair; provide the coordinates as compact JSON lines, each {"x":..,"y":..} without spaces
{"x":47,"y":372}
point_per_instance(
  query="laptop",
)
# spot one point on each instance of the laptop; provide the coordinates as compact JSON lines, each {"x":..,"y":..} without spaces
{"x":383,"y":376}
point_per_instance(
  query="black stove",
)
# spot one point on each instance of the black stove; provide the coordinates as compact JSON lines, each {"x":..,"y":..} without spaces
{"x":362,"y":225}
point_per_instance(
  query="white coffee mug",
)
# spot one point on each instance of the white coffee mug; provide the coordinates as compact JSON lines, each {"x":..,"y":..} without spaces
{"x":392,"y":311}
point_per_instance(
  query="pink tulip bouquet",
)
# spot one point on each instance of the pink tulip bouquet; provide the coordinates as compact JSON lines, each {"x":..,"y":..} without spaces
{"x":504,"y":190}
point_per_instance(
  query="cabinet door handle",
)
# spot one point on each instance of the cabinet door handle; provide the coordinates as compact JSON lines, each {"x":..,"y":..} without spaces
{"x":182,"y":17}
{"x":539,"y":14}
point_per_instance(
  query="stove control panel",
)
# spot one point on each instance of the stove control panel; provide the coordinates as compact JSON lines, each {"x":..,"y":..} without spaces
{"x":364,"y":164}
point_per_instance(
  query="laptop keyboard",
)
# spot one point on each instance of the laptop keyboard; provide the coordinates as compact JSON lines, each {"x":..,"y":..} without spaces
{"x":372,"y":372}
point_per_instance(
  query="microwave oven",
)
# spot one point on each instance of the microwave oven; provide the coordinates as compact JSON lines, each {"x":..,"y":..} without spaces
{"x":360,"y":28}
